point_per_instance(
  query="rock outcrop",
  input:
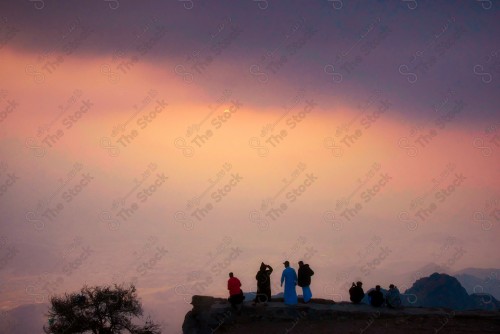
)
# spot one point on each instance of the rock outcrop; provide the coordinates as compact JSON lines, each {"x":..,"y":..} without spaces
{"x":214,"y":315}
{"x":442,"y":290}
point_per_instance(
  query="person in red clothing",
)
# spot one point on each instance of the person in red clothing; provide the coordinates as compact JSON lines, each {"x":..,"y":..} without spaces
{"x":235,"y":293}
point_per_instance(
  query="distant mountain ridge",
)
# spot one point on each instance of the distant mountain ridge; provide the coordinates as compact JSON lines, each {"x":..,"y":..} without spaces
{"x":24,"y":319}
{"x":482,"y":273}
{"x":476,"y":280}
{"x":443,"y":290}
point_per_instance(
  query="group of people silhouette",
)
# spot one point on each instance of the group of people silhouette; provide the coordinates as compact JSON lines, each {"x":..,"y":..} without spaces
{"x":289,"y":277}
{"x":303,"y":279}
{"x":377,"y":299}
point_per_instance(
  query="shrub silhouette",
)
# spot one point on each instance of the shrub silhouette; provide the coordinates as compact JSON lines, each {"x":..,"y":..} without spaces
{"x":98,"y":310}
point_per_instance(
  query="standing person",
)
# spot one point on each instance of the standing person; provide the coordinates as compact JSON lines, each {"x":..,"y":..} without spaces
{"x":356,"y":292}
{"x":289,"y":276}
{"x":263,"y":278}
{"x":235,"y":293}
{"x":376,"y":297}
{"x":393,"y":298}
{"x":304,"y":280}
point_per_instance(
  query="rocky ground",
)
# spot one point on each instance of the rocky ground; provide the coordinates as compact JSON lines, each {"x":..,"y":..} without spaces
{"x":214,"y":315}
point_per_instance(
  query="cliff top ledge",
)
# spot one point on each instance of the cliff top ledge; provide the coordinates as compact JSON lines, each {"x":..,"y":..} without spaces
{"x":215,"y":315}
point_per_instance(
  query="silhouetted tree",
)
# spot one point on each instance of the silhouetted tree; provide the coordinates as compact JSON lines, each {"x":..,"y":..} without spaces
{"x":98,"y":310}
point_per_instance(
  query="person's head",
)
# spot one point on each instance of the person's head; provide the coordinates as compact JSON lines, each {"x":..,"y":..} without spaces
{"x":262,"y":266}
{"x":391,"y":286}
{"x":377,"y":288}
{"x":230,"y":274}
{"x":287,"y":264}
{"x":301,"y":263}
{"x":359,"y":283}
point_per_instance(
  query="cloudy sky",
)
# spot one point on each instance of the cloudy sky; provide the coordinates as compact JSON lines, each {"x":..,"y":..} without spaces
{"x":166,"y":143}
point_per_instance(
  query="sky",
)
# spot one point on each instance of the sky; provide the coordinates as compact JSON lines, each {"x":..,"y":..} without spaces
{"x":167,"y":143}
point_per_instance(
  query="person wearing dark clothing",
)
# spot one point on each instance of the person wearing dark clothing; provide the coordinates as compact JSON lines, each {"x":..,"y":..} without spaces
{"x":304,"y":280}
{"x":376,"y":297}
{"x":236,"y":296}
{"x":263,"y":283}
{"x":356,"y":292}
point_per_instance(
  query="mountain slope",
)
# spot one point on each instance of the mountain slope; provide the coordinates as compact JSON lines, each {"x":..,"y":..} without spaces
{"x":441,"y":290}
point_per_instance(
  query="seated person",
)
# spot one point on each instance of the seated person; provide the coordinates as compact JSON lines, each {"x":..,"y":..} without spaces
{"x":393,"y":298}
{"x":376,"y":297}
{"x":356,"y":292}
